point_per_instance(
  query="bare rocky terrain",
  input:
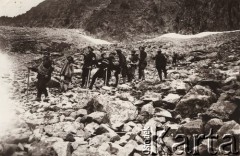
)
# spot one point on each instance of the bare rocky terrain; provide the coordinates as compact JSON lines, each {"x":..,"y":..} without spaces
{"x":201,"y":92}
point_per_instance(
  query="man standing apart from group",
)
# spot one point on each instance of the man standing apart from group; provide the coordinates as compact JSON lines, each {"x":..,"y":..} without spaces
{"x":161,"y":63}
{"x":142,"y":63}
{"x":89,"y":61}
{"x":44,"y":71}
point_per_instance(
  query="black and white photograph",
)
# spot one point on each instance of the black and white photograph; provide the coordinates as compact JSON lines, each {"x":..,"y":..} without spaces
{"x":119,"y":77}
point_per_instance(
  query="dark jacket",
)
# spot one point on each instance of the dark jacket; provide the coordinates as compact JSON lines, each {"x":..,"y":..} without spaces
{"x":143,"y":60}
{"x":103,"y":63}
{"x":113,"y":64}
{"x":160,"y":60}
{"x":44,"y":70}
{"x":143,"y":57}
{"x":122,"y":60}
{"x":134,"y":59}
{"x":89,"y":60}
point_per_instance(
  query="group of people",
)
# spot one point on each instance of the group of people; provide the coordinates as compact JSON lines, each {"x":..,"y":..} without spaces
{"x":116,"y":63}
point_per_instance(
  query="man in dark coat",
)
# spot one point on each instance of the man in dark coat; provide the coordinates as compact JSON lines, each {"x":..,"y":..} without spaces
{"x":142,"y":63}
{"x":103,"y":71}
{"x":174,"y":58}
{"x":44,"y":71}
{"x":89,"y":61}
{"x":161,"y":63}
{"x":122,"y":65}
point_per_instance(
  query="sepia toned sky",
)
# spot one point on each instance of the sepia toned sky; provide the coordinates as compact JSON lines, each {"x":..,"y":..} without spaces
{"x":13,"y":8}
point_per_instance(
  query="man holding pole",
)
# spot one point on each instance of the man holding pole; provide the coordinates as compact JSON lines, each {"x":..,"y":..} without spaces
{"x":44,"y":71}
{"x":102,"y":72}
{"x":89,"y":61}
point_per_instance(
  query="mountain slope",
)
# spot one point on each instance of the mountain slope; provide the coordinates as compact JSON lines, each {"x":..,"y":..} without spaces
{"x":133,"y":19}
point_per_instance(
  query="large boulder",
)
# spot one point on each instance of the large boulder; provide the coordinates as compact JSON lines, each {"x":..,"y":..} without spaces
{"x":227,"y":128}
{"x":103,"y":128}
{"x":231,"y":128}
{"x":99,"y":117}
{"x":171,"y":98}
{"x":150,"y":96}
{"x":192,"y":105}
{"x":222,"y":110}
{"x":198,"y":100}
{"x":215,"y":124}
{"x":108,"y":149}
{"x":63,"y":148}
{"x":116,"y":109}
{"x":82,"y":150}
{"x":192,"y":127}
{"x":179,"y":86}
{"x":99,"y":139}
{"x":148,"y":108}
{"x":41,"y":149}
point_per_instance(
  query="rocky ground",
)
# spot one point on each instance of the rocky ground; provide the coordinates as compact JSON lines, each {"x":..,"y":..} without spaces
{"x":201,"y":92}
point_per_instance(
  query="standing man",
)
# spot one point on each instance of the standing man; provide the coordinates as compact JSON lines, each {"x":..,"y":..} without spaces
{"x":66,"y":74}
{"x":142,"y":63}
{"x":122,"y":64}
{"x":89,"y":61}
{"x":174,"y":58}
{"x":103,"y":71}
{"x":44,"y":71}
{"x":161,"y":63}
{"x":133,"y":63}
{"x":114,"y":66}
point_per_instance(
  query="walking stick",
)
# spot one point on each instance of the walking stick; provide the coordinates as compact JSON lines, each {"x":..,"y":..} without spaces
{"x":28,"y":75}
{"x":88,"y":79}
{"x":106,"y":77}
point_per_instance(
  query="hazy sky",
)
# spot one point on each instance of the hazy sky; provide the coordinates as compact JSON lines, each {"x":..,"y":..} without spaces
{"x":15,"y":7}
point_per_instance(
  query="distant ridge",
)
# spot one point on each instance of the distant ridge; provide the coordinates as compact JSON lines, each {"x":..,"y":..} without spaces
{"x":133,"y":19}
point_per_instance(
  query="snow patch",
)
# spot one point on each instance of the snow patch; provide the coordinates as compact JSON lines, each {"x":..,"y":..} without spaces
{"x":179,"y":36}
{"x":95,"y":41}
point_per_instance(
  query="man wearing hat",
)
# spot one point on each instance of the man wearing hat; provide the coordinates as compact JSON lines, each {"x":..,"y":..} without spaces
{"x":133,"y":62}
{"x":142,"y":63}
{"x":89,"y":61}
{"x":66,"y":74}
{"x":161,"y":63}
{"x":44,"y":71}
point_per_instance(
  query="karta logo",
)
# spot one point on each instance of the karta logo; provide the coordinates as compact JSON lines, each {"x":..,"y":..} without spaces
{"x":184,"y":144}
